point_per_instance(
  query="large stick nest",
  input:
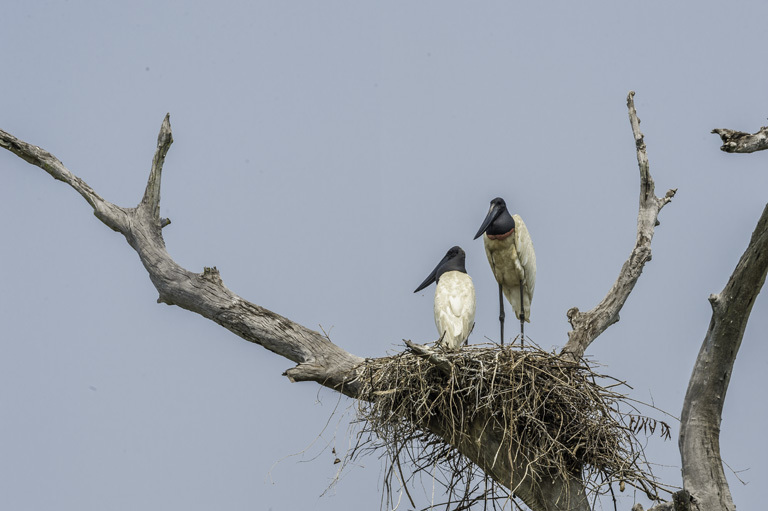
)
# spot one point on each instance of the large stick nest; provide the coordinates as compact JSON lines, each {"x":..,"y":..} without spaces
{"x":565,"y":421}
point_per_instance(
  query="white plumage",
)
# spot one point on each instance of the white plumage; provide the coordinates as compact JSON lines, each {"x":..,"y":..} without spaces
{"x":454,"y":299}
{"x":454,"y":308}
{"x":513,"y":263}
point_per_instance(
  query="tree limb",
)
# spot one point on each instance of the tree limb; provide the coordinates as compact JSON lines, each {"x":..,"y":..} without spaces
{"x":318,"y":359}
{"x":699,"y":441}
{"x":740,"y":142}
{"x":588,"y":325}
{"x":204,"y":293}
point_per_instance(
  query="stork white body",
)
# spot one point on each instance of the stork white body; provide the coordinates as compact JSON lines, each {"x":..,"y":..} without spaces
{"x":454,"y":308}
{"x":513,"y":263}
{"x":454,"y":299}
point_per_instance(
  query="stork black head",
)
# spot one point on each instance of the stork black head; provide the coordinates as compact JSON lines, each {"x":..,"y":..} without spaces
{"x":498,"y":220}
{"x":453,"y":261}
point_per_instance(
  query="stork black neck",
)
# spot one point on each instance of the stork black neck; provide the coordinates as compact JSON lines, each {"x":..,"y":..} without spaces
{"x":502,"y":224}
{"x":456,"y":263}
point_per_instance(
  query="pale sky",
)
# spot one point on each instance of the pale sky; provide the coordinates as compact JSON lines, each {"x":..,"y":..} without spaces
{"x":326,"y":156}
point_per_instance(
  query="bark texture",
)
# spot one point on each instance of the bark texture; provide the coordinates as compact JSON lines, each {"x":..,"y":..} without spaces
{"x":699,"y":441}
{"x":588,"y":325}
{"x":740,"y":142}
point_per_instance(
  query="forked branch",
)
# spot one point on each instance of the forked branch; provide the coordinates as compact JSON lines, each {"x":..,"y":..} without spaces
{"x":587,"y":326}
{"x":204,"y":293}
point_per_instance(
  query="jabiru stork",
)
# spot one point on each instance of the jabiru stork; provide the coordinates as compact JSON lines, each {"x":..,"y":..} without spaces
{"x":454,"y":299}
{"x":513,"y":261}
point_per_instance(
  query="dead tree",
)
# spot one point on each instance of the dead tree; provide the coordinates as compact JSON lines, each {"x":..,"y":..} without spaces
{"x":317,"y":359}
{"x":704,"y":484}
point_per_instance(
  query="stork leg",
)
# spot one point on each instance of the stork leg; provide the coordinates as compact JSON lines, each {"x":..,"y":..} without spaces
{"x":440,"y":340}
{"x":501,"y":313}
{"x":522,"y":318}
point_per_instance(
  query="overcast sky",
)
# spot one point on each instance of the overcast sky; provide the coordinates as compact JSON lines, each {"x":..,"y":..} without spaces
{"x":326,"y":156}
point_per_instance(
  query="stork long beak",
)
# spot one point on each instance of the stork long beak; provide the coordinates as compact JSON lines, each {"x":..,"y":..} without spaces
{"x":493,"y":213}
{"x":432,"y":277}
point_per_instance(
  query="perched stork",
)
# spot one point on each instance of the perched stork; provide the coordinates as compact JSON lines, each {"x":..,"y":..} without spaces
{"x":513,"y":261}
{"x":454,"y":299}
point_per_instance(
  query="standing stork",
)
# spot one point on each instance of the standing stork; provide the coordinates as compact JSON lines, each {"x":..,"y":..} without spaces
{"x":513,"y":261}
{"x":454,"y":299}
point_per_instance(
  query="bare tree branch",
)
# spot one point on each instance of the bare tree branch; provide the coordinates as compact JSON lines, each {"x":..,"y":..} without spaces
{"x":588,"y":325}
{"x":113,"y":216}
{"x":317,"y":357}
{"x":319,"y":360}
{"x":740,"y":142}
{"x":151,"y":197}
{"x":204,"y":293}
{"x":699,"y":441}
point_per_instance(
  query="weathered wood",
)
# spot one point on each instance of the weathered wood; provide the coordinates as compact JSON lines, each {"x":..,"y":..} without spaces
{"x":699,"y":440}
{"x":587,"y":326}
{"x":317,"y":358}
{"x":204,"y":293}
{"x":740,"y":142}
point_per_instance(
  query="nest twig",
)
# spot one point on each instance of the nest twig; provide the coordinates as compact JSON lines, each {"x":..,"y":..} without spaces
{"x":566,"y":421}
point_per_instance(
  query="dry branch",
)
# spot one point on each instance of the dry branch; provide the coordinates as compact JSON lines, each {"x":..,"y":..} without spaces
{"x":740,"y":142}
{"x":703,"y":474}
{"x":484,"y":439}
{"x":204,"y":293}
{"x":317,"y":357}
{"x":588,"y":325}
{"x":699,"y":442}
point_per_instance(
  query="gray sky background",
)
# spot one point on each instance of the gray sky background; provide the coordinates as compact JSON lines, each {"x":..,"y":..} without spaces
{"x":326,"y":156}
